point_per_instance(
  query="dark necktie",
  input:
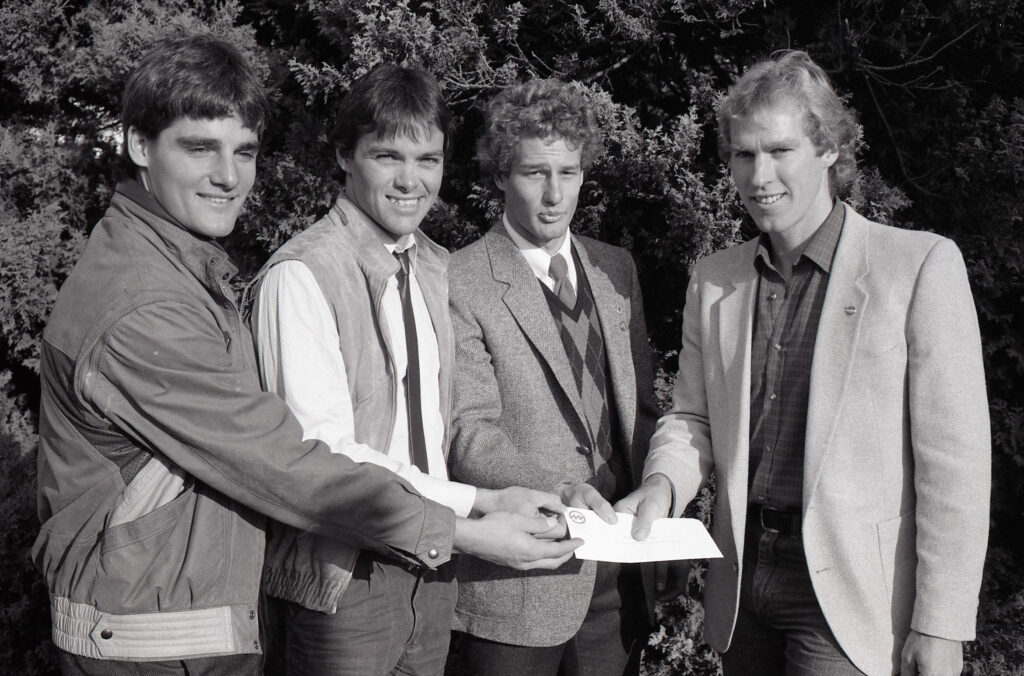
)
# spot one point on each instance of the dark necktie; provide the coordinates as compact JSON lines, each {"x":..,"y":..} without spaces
{"x":559,"y":271}
{"x":413,"y":398}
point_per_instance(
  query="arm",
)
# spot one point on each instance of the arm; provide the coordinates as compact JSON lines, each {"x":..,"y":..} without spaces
{"x":681,"y":446}
{"x":477,"y":436}
{"x":179,"y":384}
{"x":299,"y":359}
{"x":949,"y":432}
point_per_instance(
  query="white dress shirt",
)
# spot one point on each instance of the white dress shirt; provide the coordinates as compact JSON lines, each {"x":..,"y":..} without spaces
{"x":539,"y":260}
{"x":297,"y":341}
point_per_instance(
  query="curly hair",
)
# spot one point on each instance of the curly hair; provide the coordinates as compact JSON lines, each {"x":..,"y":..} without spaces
{"x":540,"y":108}
{"x":790,"y":76}
{"x":195,"y":76}
{"x":391,"y":100}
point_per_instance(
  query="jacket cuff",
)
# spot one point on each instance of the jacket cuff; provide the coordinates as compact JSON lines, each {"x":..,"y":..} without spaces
{"x":434,"y":546}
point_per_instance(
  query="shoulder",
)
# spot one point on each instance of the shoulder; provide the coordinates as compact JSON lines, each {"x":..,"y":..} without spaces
{"x":603,"y":252}
{"x":898,"y":249}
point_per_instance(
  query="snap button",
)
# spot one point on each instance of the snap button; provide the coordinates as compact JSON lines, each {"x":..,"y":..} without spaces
{"x":106,"y":633}
{"x":433,"y":553}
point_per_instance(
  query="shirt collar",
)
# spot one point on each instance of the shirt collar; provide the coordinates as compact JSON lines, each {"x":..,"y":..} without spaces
{"x":404,"y":243}
{"x":537,"y":258}
{"x":821,"y":248}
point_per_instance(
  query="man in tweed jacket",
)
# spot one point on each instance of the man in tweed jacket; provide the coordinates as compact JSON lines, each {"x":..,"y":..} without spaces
{"x":553,"y":391}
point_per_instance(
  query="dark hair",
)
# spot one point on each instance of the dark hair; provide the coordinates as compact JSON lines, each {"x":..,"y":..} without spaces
{"x":546,"y":109}
{"x":790,"y":76}
{"x":391,"y":100}
{"x":196,"y":76}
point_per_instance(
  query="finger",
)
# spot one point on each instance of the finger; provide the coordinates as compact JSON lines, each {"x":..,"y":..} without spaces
{"x":627,"y":505}
{"x":645,"y":516}
{"x":660,"y":576}
{"x":542,"y":553}
{"x":557,"y":530}
{"x":677,"y":574}
{"x":548,"y":502}
{"x":588,"y":497}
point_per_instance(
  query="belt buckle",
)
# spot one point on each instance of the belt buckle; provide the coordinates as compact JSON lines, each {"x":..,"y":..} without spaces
{"x":767,"y":529}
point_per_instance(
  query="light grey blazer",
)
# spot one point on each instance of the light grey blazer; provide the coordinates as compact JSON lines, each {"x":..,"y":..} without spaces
{"x":897,"y":468}
{"x":518,"y":417}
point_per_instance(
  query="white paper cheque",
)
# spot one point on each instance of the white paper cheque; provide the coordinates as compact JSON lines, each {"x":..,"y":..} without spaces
{"x":670,"y":539}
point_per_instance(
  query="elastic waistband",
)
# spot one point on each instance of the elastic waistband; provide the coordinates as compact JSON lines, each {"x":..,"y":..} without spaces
{"x":83,"y":629}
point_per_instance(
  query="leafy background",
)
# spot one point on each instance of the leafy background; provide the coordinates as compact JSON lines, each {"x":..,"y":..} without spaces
{"x":938,"y":85}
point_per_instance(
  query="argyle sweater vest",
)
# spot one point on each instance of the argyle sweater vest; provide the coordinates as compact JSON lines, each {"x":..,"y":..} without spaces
{"x":580,"y":331}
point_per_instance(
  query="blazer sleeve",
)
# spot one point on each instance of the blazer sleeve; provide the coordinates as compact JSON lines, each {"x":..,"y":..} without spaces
{"x":681,"y":445}
{"x":478,"y":439}
{"x":951,"y":445}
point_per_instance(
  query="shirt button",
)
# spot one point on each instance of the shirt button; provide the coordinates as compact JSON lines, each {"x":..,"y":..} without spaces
{"x":433,"y":554}
{"x":106,"y":633}
{"x":772,"y":396}
{"x":582,"y":450}
{"x":773,"y":296}
{"x":226,"y":276}
{"x":768,"y":448}
{"x":777,"y":347}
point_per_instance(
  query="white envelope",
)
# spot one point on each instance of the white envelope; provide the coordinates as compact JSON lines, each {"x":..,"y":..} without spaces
{"x":670,"y":539}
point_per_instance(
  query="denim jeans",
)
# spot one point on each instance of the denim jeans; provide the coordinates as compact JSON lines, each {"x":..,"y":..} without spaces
{"x":390,"y":620}
{"x":780,"y":628}
{"x":609,"y":643}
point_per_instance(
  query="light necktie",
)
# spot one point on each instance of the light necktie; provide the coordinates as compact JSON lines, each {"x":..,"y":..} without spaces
{"x":559,"y":271}
{"x":413,"y":398}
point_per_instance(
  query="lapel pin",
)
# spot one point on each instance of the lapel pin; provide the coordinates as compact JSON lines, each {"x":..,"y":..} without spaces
{"x":850,"y":309}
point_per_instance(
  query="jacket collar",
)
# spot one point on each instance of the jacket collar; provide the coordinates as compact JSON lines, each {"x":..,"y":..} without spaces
{"x":203,"y":257}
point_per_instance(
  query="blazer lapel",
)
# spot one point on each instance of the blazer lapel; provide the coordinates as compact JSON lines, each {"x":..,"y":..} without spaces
{"x":846,"y":301}
{"x":614,"y":314}
{"x":734,"y":321}
{"x":526,"y":303}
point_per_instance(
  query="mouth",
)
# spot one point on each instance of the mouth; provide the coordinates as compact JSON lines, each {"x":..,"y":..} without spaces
{"x":218,"y":200}
{"x":765,"y":200}
{"x":549,"y":217}
{"x":405,"y":203}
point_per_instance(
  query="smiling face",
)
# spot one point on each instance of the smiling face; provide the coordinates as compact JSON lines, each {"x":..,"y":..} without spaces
{"x":781,"y":177}
{"x":395,"y":181}
{"x":200,"y":171}
{"x":541,"y":190}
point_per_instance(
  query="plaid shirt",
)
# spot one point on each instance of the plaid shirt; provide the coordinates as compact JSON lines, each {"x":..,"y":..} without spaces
{"x":782,"y":347}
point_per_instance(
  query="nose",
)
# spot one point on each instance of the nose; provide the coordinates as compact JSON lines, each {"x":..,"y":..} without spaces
{"x":553,"y":190}
{"x":764,"y":169}
{"x":405,"y":177}
{"x":225,"y":173}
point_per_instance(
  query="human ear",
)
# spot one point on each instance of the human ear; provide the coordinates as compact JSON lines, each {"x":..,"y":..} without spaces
{"x":341,"y":159}
{"x":138,"y":147}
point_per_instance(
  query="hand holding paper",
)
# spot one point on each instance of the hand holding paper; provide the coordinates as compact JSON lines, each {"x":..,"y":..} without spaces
{"x":669,"y":539}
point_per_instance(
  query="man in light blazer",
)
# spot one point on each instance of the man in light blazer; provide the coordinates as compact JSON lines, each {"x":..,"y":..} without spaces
{"x":553,"y":391}
{"x":831,"y":375}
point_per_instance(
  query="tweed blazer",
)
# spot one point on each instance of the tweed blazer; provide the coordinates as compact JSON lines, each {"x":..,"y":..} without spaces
{"x":518,"y":417}
{"x":897,"y":466}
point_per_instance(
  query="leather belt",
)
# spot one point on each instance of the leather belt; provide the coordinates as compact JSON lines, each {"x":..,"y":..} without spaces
{"x":775,"y":520}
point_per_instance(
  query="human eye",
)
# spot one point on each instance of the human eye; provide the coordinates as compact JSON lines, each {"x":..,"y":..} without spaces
{"x":198,"y":149}
{"x":431,"y":160}
{"x":741,"y":154}
{"x":248,"y":154}
{"x":780,"y":151}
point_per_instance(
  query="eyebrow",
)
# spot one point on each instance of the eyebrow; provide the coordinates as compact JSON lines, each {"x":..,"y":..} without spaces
{"x":211,"y":142}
